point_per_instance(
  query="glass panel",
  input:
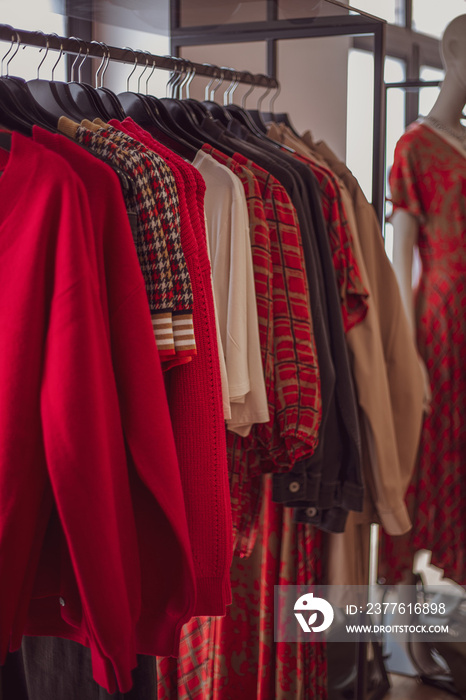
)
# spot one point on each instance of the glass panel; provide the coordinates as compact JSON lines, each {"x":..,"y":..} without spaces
{"x":395,"y":72}
{"x":360,"y":110}
{"x":432,"y":16}
{"x":201,"y":12}
{"x":360,"y":116}
{"x":428,"y":95}
{"x":32,"y":15}
{"x":390,"y":10}
{"x":292,"y":9}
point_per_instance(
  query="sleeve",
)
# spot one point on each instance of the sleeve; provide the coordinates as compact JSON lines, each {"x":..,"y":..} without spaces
{"x":155,"y":480}
{"x":85,"y":451}
{"x":405,"y":179}
{"x":222,"y":215}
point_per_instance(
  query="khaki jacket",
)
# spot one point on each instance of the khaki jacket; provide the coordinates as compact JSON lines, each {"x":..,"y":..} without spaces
{"x":385,"y":365}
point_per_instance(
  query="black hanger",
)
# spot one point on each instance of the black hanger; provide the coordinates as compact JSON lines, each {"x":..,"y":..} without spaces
{"x":18,"y":103}
{"x":283,"y":118}
{"x":181,"y":121}
{"x":86,"y":98}
{"x":53,"y":96}
{"x":108,"y":98}
{"x":199,"y":109}
{"x":256,"y":116}
{"x":280,"y":117}
{"x":245,"y":117}
{"x":150,"y":114}
{"x":177,"y":114}
{"x":216,"y":110}
{"x":31,"y":110}
{"x":253,"y":119}
{"x":11,"y":114}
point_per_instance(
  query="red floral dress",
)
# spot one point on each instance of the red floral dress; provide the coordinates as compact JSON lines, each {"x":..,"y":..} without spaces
{"x":428,"y":179}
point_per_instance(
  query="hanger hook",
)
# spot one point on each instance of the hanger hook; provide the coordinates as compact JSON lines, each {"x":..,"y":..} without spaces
{"x":226,"y":94}
{"x":214,"y":90}
{"x":173,"y":76}
{"x":10,"y":48}
{"x":278,"y":90}
{"x":262,"y":97}
{"x":107,"y":61}
{"x":46,"y":52}
{"x":83,"y":62}
{"x":246,"y":94}
{"x":144,"y":70}
{"x":59,"y":55}
{"x":18,"y":42}
{"x":187,"y":78}
{"x":208,"y":86}
{"x":128,"y":48}
{"x":233,"y":87}
{"x":101,"y":64}
{"x":179,"y":78}
{"x":75,"y":38}
{"x":191,"y":78}
{"x":154,"y":66}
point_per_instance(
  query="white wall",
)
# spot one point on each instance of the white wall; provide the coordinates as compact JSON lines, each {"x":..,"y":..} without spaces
{"x":313,"y":78}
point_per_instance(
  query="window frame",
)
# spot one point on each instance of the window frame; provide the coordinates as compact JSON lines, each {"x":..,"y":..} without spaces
{"x":412,"y":47}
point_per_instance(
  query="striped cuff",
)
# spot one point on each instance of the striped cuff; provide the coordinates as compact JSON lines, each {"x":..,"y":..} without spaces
{"x":162,"y":325}
{"x":183,"y":334}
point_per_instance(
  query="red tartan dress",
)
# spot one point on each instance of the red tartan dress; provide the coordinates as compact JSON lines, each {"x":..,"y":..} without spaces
{"x":428,"y":179}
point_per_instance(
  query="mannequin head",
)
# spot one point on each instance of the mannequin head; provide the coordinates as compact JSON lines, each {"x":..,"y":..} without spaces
{"x":453,"y":48}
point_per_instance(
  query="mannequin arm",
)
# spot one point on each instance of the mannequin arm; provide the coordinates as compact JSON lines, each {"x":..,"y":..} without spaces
{"x":405,"y":237}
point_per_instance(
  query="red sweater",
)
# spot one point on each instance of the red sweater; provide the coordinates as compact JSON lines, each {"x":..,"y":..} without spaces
{"x":195,"y":400}
{"x":83,"y":411}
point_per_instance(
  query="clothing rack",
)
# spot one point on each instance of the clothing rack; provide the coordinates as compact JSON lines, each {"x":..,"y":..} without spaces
{"x":94,"y":49}
{"x":270,"y":31}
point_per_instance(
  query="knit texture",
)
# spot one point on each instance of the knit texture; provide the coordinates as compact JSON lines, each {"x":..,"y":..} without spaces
{"x":195,"y":401}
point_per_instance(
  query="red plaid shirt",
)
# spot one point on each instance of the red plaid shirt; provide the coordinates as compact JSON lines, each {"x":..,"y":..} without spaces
{"x":288,"y":349}
{"x":353,"y":295}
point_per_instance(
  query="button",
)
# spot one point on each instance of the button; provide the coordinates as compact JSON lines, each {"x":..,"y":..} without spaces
{"x":62,"y":602}
{"x":294,"y":486}
{"x":311,"y":512}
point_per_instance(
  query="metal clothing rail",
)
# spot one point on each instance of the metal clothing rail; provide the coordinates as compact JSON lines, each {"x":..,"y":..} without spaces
{"x":270,"y":31}
{"x":273,"y":29}
{"x":95,"y":49}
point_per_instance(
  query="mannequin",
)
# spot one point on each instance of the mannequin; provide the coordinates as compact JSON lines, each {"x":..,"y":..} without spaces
{"x":445,"y":113}
{"x":428,"y":184}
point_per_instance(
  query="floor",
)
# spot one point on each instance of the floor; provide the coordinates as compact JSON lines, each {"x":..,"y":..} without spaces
{"x":404,"y":688}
